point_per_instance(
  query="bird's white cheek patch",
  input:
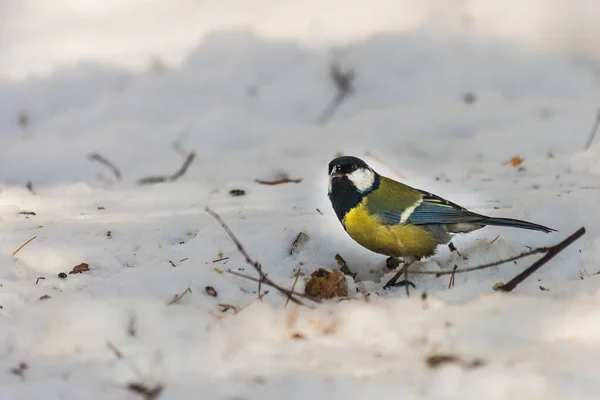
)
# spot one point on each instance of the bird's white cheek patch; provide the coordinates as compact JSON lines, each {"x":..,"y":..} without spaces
{"x":362,"y":179}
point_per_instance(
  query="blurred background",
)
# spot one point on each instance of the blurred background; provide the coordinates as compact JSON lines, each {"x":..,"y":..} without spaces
{"x":420,"y":83}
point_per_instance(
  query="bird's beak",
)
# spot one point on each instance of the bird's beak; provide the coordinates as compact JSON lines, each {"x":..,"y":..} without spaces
{"x":335,"y":175}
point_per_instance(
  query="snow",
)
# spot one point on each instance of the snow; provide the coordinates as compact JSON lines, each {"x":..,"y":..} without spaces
{"x":242,"y":84}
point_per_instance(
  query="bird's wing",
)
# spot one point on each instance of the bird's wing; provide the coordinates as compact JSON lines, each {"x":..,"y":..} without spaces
{"x":399,"y":205}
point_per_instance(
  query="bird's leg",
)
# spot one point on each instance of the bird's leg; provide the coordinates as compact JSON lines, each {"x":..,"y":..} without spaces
{"x":453,"y":249}
{"x":404,"y":270}
{"x":393,"y":262}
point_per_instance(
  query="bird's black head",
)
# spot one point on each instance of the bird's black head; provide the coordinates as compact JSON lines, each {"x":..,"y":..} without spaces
{"x":350,"y":179}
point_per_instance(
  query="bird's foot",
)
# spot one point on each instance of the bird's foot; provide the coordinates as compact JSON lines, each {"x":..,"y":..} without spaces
{"x":393,"y":262}
{"x":406,"y":283}
{"x":453,"y":249}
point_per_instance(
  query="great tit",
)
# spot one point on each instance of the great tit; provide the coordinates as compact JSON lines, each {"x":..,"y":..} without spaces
{"x":396,"y":220}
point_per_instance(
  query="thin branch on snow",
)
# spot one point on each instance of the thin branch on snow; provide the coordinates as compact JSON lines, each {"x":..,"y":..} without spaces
{"x":102,"y":160}
{"x":256,"y":265}
{"x":553,"y":251}
{"x":277,"y":287}
{"x":484,"y":266}
{"x":550,"y":252}
{"x":170,"y":178}
{"x":594,"y":130}
{"x":343,"y":83}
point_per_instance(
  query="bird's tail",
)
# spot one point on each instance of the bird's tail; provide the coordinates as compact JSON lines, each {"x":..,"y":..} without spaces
{"x":516,"y":223}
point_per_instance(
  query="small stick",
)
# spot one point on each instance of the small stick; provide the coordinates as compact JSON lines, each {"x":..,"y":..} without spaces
{"x":594,"y":130}
{"x":178,"y":297}
{"x":159,"y":179}
{"x":278,"y":181}
{"x":293,"y":286}
{"x":220,"y":259}
{"x":184,"y":167}
{"x":553,"y":251}
{"x":275,"y":286}
{"x":451,"y":282}
{"x":251,"y":262}
{"x":23,"y":245}
{"x":484,"y":266}
{"x":102,"y":160}
{"x":260,"y":280}
{"x":114,"y":350}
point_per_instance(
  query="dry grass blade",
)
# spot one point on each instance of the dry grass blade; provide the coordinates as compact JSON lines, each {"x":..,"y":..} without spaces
{"x":177,"y":298}
{"x":23,"y":245}
{"x":451,"y":282}
{"x":278,"y":181}
{"x":293,"y":287}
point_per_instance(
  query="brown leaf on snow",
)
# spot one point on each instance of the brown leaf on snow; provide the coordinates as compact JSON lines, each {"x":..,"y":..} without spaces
{"x":78,"y":269}
{"x":515,"y":161}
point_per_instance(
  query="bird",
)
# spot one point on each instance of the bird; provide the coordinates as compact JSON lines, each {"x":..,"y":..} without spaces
{"x":399,"y":221}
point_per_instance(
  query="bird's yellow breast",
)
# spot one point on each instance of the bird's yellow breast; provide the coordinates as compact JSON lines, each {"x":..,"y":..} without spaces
{"x":392,"y":240}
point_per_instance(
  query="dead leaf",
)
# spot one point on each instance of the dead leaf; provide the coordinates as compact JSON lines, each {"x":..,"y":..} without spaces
{"x":78,"y":269}
{"x":515,"y":161}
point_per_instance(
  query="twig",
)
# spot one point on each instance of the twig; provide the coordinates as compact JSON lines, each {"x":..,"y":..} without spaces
{"x":343,"y":83}
{"x":159,"y":179}
{"x":254,"y":264}
{"x":484,"y":266}
{"x":114,"y":350}
{"x":275,"y":286}
{"x":451,"y":282}
{"x":293,"y":286}
{"x":23,"y":245}
{"x":594,"y":130}
{"x":278,"y":181}
{"x":178,"y":297}
{"x":108,"y":164}
{"x":220,"y":259}
{"x":553,"y":251}
{"x":184,"y":167}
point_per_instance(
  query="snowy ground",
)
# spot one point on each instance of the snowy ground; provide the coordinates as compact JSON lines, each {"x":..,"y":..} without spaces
{"x":242,"y":86}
